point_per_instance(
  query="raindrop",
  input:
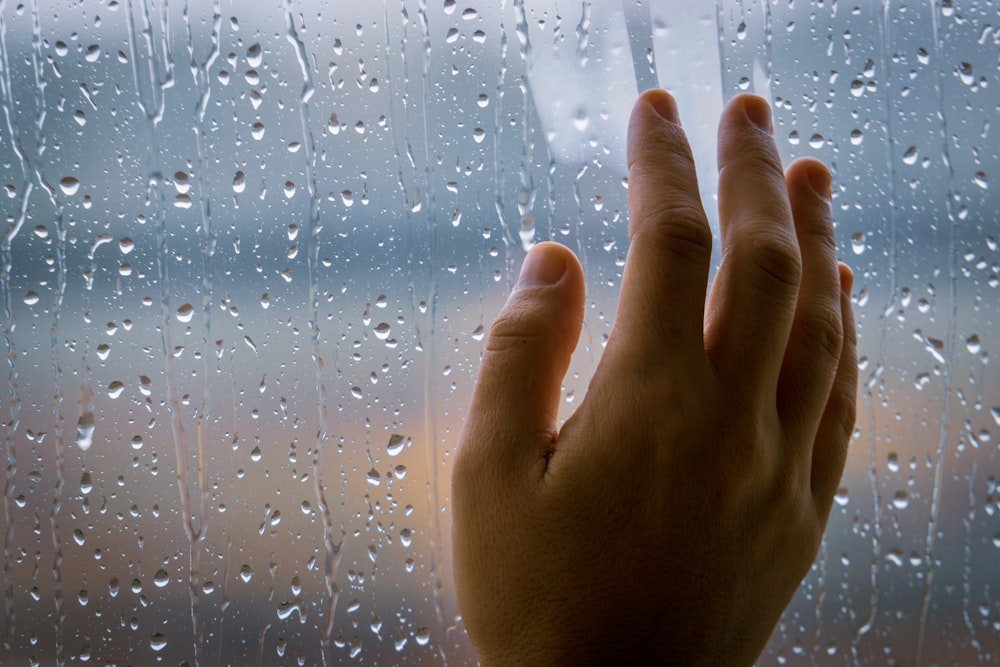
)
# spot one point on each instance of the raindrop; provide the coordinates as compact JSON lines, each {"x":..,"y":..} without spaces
{"x":965,"y":73}
{"x":93,"y":53}
{"x":289,"y":189}
{"x":255,"y":454}
{"x":580,"y":119}
{"x":901,"y":500}
{"x":858,"y":242}
{"x":423,"y":636}
{"x":911,"y":155}
{"x":257,"y":130}
{"x":86,"y":485}
{"x":158,"y":642}
{"x":816,"y":141}
{"x":973,"y":344}
{"x":161,"y":578}
{"x":69,"y":185}
{"x":857,"y":136}
{"x":31,"y":297}
{"x":185,"y":312}
{"x":83,"y":597}
{"x":397,"y":443}
{"x":255,"y":55}
{"x":382,"y":330}
{"x":116,"y":388}
{"x":239,"y":182}
{"x":980,"y":180}
{"x":246,"y":573}
{"x":79,"y":537}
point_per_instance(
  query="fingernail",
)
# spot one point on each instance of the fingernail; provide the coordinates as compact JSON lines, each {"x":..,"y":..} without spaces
{"x":542,"y":266}
{"x":664,"y":105}
{"x":758,"y":111}
{"x":820,"y":181}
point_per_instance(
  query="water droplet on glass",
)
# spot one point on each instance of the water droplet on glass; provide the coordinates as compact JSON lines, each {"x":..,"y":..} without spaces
{"x":185,"y":312}
{"x":246,"y":573}
{"x":86,"y":484}
{"x":901,"y":500}
{"x":158,"y":642}
{"x":382,"y":330}
{"x":973,"y":344}
{"x":858,"y":242}
{"x":69,"y":185}
{"x":116,"y":388}
{"x":396,"y":444}
{"x":980,"y":180}
{"x":257,"y":130}
{"x":31,"y":297}
{"x":965,"y":73}
{"x":239,"y":182}
{"x":161,"y":578}
{"x":93,"y":53}
{"x":255,"y":454}
{"x":816,"y":141}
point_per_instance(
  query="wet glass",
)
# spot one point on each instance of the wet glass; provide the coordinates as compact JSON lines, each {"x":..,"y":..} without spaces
{"x":249,"y":255}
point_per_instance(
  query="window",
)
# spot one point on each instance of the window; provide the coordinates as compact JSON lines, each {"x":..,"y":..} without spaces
{"x":249,"y":256}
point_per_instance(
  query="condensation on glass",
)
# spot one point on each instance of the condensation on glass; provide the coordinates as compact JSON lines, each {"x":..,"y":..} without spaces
{"x":249,"y":254}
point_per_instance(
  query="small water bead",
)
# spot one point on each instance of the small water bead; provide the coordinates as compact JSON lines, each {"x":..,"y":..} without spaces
{"x":158,"y":642}
{"x":161,"y":578}
{"x":116,"y":388}
{"x":397,"y":443}
{"x":239,"y":182}
{"x":93,"y":53}
{"x":185,"y":313}
{"x":69,"y":185}
{"x":901,"y":500}
{"x":246,"y":573}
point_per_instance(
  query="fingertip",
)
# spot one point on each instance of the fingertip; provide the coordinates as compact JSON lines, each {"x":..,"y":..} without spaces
{"x":846,"y":279}
{"x":661,"y":102}
{"x":545,"y":264}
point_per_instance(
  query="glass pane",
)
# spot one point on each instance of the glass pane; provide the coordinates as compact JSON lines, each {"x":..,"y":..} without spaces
{"x":249,"y":256}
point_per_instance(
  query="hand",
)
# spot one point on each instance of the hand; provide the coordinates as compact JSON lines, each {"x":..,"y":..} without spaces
{"x":674,"y":515}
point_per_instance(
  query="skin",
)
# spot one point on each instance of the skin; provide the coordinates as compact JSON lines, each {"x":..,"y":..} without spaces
{"x":673,"y":516}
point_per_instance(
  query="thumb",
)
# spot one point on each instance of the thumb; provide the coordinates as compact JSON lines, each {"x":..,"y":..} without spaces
{"x":512,"y":419}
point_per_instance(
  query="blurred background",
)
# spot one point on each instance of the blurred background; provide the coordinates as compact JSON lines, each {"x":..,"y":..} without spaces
{"x":250,"y":251}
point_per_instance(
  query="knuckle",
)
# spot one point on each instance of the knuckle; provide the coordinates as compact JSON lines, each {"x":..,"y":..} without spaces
{"x":514,"y":327}
{"x":777,"y":258}
{"x":674,"y":228}
{"x":823,"y":331}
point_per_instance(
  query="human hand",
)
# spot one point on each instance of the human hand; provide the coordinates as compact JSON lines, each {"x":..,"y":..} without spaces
{"x":674,"y":515}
